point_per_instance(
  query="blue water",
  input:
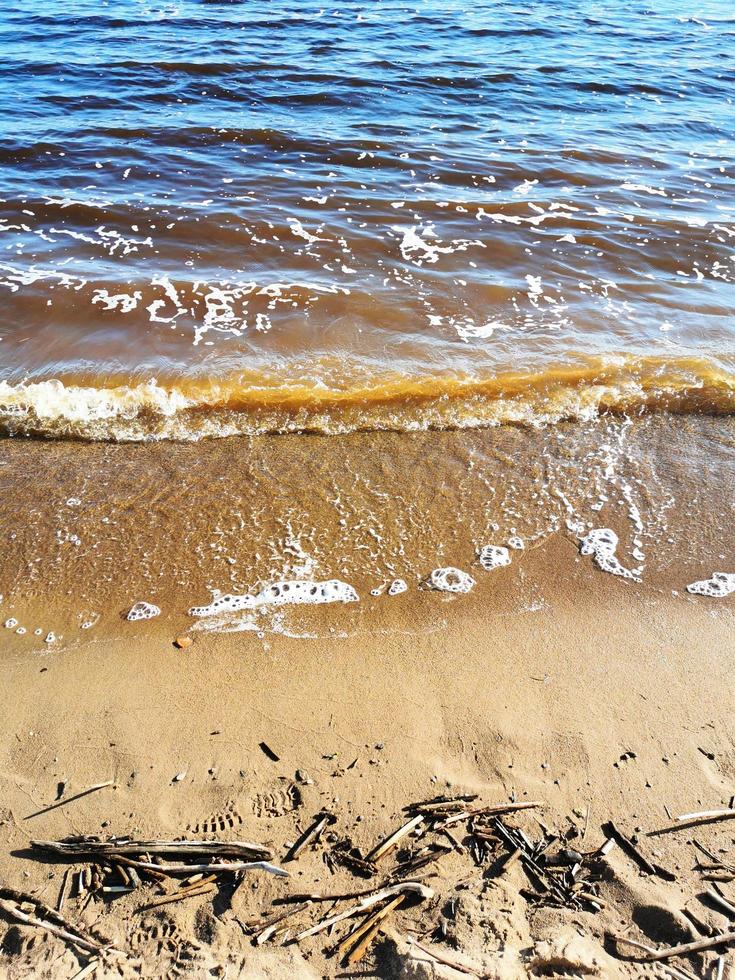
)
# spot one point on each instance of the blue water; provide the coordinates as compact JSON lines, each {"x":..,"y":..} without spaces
{"x":299,"y":198}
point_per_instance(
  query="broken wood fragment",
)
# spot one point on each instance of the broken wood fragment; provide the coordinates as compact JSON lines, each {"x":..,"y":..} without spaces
{"x":70,"y":799}
{"x":390,"y":842}
{"x":358,"y":941}
{"x":440,"y":957}
{"x":63,"y":890}
{"x":311,"y":833}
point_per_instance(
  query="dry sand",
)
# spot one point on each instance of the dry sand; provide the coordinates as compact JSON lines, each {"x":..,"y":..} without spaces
{"x":603,"y":699}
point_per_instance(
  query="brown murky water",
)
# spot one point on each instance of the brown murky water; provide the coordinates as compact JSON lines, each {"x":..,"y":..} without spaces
{"x":91,"y":528}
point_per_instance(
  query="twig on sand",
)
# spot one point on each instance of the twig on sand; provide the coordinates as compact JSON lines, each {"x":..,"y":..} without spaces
{"x":693,"y":819}
{"x":440,"y":806}
{"x":414,"y":887}
{"x":438,"y":957}
{"x":70,"y":799}
{"x":266,"y":928}
{"x":390,"y":842}
{"x":634,"y":852}
{"x":707,"y":815}
{"x":651,"y":955}
{"x":713,"y":894}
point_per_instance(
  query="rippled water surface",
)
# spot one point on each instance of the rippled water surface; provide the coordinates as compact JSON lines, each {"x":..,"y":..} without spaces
{"x":224,"y":217}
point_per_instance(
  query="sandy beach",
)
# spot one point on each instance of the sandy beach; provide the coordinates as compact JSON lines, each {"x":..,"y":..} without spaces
{"x":597,"y":697}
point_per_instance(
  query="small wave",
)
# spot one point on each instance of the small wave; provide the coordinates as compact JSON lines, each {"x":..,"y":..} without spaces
{"x":192,"y":409}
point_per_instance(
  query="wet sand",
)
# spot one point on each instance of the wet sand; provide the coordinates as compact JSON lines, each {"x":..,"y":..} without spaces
{"x":553,"y":681}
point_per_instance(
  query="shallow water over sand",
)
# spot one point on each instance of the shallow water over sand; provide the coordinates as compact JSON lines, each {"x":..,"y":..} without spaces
{"x":377,"y":215}
{"x":103,"y":526}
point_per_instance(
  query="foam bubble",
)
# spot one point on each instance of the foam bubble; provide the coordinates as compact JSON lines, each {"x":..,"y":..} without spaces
{"x":11,"y":624}
{"x":50,"y":638}
{"x":397,"y":586}
{"x":602,"y":542}
{"x":493,"y":556}
{"x":516,"y":543}
{"x":143,"y":610}
{"x":294,"y":592}
{"x":450,"y":579}
{"x":21,"y":631}
{"x":717,"y":587}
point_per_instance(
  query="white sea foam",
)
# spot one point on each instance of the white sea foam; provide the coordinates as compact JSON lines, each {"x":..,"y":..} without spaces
{"x":450,"y":579}
{"x":397,"y":586}
{"x":720,"y":585}
{"x":143,"y":610}
{"x":52,"y":400}
{"x":493,"y":556}
{"x":602,"y":542}
{"x":294,"y":592}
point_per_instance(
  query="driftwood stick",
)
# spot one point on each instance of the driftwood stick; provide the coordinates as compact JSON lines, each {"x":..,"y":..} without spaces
{"x":493,"y":810}
{"x":70,"y":799}
{"x":437,"y":807}
{"x":652,"y":955}
{"x":89,"y":847}
{"x":179,"y":896}
{"x":405,"y":886}
{"x":229,"y":867}
{"x":390,"y":842}
{"x":267,"y":927}
{"x":714,"y":895}
{"x":727,"y":814}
